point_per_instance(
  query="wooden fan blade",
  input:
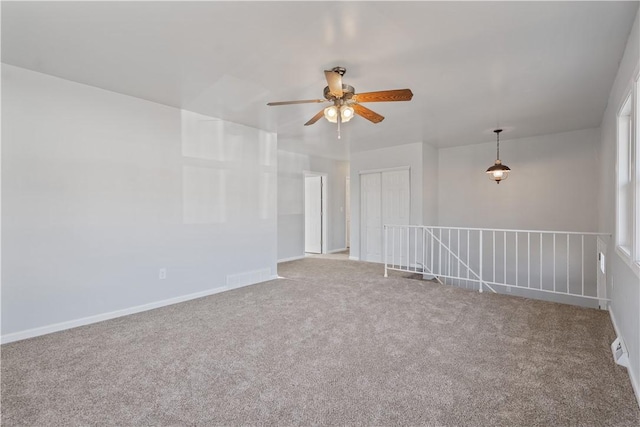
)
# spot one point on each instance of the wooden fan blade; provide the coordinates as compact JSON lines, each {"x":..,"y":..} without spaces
{"x":384,"y":96}
{"x":315,"y":118}
{"x":372,"y":116}
{"x":334,"y":80}
{"x":306,"y":101}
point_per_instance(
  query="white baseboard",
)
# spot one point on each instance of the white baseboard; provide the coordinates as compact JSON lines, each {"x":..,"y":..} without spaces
{"x":57,"y":327}
{"x":333,"y":251}
{"x":630,"y":371}
{"x":293,"y":258}
{"x":354,"y":258}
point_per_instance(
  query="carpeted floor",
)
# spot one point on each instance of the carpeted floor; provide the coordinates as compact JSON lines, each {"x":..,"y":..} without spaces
{"x":334,"y":343}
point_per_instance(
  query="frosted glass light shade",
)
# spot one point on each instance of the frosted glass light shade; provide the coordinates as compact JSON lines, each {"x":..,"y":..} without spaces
{"x":346,"y":113}
{"x":331,"y":114}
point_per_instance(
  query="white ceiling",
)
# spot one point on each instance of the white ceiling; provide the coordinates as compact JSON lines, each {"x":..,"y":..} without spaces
{"x":530,"y":67}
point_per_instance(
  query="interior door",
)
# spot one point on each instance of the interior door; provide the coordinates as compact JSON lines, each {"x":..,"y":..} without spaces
{"x":313,"y":214}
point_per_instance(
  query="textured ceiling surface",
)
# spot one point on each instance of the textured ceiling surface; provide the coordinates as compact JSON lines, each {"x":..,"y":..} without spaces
{"x":530,"y":67}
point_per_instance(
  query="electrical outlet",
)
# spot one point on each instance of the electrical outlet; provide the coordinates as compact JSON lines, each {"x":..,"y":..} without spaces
{"x":162,"y":274}
{"x":508,"y":289}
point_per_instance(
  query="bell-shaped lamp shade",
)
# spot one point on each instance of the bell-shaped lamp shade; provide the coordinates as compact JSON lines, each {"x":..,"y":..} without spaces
{"x":331,"y":114}
{"x":346,"y":113}
{"x":498,"y":172}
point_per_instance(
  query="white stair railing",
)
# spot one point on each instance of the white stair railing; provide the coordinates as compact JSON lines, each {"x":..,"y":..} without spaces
{"x":559,"y":264}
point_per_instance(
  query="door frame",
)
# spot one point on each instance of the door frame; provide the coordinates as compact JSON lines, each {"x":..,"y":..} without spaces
{"x":324,"y":178}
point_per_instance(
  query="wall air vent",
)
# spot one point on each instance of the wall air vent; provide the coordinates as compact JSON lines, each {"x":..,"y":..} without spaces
{"x":620,"y":354}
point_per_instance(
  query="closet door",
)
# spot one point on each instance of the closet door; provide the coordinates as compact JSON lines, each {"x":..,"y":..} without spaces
{"x":384,"y":199}
{"x":371,"y":217}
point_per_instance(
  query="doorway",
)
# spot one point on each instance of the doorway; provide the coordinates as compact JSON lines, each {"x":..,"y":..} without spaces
{"x":315,"y":207}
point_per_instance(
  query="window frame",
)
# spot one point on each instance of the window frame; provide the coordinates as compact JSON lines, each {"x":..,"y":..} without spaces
{"x":631,"y":253}
{"x":624,"y":135}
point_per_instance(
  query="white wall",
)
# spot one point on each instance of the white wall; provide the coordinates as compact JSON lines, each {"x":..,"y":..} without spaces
{"x":623,"y":284}
{"x":291,"y":169}
{"x":553,"y":184}
{"x":398,"y":156}
{"x":101,"y":190}
{"x":430,"y":184}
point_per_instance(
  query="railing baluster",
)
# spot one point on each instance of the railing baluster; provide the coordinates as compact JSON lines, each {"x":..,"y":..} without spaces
{"x":415,"y":249}
{"x":480,"y":268}
{"x":468,"y":263}
{"x":504,"y":249}
{"x":386,"y":243}
{"x":582,"y":265}
{"x":540,"y":260}
{"x":494,"y":255}
{"x":393,"y":247}
{"x":516,"y":258}
{"x":568,"y":245}
{"x":423,"y":245}
{"x":440,"y":251}
{"x":459,"y":253}
{"x":408,"y":251}
{"x":554,"y":262}
{"x":528,"y":259}
{"x":449,"y":253}
{"x":431,"y":238}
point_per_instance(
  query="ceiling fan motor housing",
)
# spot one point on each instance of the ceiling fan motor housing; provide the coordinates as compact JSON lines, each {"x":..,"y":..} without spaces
{"x":347,"y":93}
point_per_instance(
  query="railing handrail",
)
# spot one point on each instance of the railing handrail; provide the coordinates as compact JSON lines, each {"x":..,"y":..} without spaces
{"x":500,"y":229}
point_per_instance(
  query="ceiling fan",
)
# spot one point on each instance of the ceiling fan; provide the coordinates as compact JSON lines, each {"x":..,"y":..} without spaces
{"x":346,"y":102}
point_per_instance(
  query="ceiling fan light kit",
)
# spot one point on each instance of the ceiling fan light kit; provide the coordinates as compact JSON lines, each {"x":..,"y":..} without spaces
{"x":346,"y":102}
{"x":498,"y":172}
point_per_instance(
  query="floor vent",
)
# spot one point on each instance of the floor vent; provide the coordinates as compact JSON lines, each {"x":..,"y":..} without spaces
{"x":620,"y":354}
{"x":248,"y":278}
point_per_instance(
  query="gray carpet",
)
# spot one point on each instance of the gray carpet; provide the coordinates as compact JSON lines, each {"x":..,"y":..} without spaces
{"x":332,"y":344}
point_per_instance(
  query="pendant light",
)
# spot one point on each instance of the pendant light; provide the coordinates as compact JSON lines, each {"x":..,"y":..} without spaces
{"x":498,"y":172}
